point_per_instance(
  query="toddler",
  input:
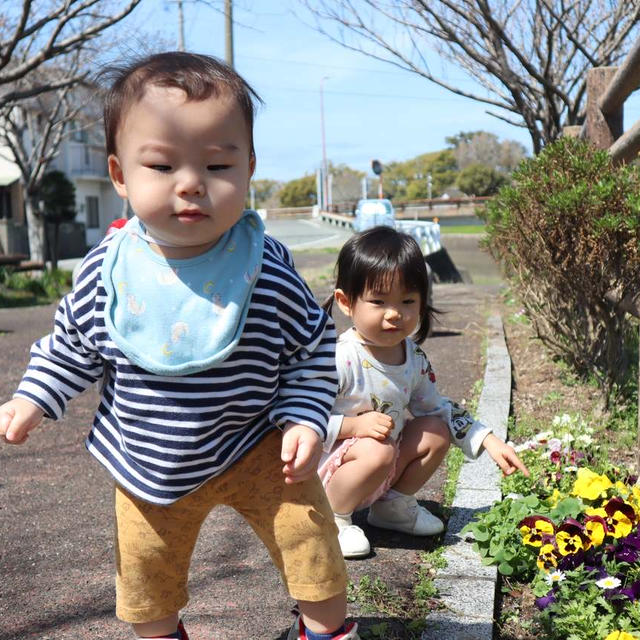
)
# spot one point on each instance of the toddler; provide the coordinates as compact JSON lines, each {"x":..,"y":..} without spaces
{"x":217,"y":364}
{"x":390,"y":428}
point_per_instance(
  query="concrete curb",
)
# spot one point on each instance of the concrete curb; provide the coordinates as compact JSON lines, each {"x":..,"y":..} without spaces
{"x":467,"y":588}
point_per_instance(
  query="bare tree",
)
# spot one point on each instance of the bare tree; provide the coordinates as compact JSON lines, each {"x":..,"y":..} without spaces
{"x":32,"y":130}
{"x":531,"y":56}
{"x":34,"y":33}
{"x":45,"y":49}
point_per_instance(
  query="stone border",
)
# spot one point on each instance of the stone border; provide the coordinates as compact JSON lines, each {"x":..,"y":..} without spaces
{"x":467,"y":588}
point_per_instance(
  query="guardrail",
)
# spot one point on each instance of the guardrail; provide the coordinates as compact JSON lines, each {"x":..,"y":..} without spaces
{"x":607,"y":90}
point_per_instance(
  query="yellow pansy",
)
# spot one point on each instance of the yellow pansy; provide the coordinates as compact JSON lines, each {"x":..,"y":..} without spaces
{"x":590,"y":485}
{"x":554,"y":498}
{"x":621,"y":635}
{"x":547,"y":557}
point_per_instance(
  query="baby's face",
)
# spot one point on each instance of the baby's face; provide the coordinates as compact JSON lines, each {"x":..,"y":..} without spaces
{"x":185,"y":167}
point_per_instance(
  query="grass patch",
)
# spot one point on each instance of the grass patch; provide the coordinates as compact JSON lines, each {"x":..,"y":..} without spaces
{"x":19,"y":289}
{"x":454,"y":462}
{"x":374,"y":597}
{"x":469,"y":229}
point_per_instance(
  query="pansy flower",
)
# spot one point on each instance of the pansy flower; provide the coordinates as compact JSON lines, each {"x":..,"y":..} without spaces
{"x":571,"y":537}
{"x":627,"y":549}
{"x":547,"y":557}
{"x":545,"y":601}
{"x":533,"y":528}
{"x":621,"y":635}
{"x":590,"y":485}
{"x":596,"y":527}
{"x":620,"y":517}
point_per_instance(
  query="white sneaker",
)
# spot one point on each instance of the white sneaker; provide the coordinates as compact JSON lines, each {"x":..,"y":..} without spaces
{"x":404,"y":514}
{"x":353,"y":542}
{"x":298,"y":631}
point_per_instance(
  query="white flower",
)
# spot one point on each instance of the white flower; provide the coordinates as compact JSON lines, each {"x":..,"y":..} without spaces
{"x":525,"y":446}
{"x":554,"y":577}
{"x":562,"y":420}
{"x":567,"y":437}
{"x":584,"y":439}
{"x":554,"y":444}
{"x":608,"y":583}
{"x":543,"y":436}
{"x":570,"y":469}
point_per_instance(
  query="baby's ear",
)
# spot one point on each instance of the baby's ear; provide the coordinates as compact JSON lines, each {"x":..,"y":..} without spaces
{"x":116,"y":175}
{"x":342,"y":301}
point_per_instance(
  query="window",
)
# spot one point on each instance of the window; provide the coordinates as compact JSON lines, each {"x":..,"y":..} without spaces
{"x":93,"y":214}
{"x":78,"y":132}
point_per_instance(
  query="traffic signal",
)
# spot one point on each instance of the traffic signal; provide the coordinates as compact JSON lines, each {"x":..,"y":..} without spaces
{"x":376,"y":167}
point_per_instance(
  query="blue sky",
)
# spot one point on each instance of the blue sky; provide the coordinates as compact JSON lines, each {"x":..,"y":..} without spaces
{"x":372,"y":109}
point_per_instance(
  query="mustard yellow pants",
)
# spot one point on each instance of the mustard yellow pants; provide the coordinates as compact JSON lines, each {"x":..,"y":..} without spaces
{"x":154,"y":543}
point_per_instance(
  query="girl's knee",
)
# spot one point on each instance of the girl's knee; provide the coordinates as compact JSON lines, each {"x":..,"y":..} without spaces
{"x":381,"y":453}
{"x":434,"y":433}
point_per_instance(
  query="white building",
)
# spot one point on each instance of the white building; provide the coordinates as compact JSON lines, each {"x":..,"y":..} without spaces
{"x":82,"y":157}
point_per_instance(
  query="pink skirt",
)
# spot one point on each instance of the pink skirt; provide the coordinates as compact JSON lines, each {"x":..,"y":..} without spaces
{"x":331,"y":464}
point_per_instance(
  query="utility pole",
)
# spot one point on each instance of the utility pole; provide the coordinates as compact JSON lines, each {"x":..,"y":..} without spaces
{"x":180,"y":26}
{"x":228,"y":31}
{"x":325,"y":185}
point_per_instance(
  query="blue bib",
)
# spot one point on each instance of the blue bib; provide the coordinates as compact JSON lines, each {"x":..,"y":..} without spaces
{"x":178,"y":317}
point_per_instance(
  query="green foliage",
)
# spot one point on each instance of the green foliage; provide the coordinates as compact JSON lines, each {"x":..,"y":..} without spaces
{"x":566,"y":232}
{"x":408,"y":180}
{"x":497,"y":537}
{"x":20,"y":289}
{"x":480,"y":180}
{"x":59,"y":196}
{"x":264,"y":192}
{"x":300,"y":192}
{"x":453,"y":461}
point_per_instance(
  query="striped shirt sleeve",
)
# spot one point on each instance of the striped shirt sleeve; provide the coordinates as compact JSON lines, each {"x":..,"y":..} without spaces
{"x":64,"y":363}
{"x":308,"y":378}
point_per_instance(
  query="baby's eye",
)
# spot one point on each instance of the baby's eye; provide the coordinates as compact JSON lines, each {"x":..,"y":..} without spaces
{"x":409,"y":301}
{"x":217,"y":167}
{"x":160,"y":167}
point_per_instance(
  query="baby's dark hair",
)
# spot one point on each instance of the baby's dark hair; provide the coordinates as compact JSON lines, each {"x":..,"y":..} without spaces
{"x":199,"y":76}
{"x":370,"y":259}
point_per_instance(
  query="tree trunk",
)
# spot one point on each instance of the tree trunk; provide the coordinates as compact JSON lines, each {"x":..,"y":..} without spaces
{"x":53,"y":249}
{"x":35,"y":228}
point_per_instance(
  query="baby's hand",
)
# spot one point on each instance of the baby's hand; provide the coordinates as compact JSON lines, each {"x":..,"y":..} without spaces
{"x":301,"y":451}
{"x":373,"y":425}
{"x":504,"y":455}
{"x":17,"y":418}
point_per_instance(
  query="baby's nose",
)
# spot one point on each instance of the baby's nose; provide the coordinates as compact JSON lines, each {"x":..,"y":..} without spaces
{"x":190,"y":183}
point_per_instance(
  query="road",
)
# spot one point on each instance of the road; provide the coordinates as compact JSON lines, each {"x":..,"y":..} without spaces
{"x":307,"y":234}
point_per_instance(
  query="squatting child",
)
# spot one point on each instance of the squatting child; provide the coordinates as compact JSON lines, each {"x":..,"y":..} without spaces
{"x":217,"y":365}
{"x":390,"y":428}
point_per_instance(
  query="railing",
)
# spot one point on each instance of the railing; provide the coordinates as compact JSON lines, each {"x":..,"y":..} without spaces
{"x":432,"y":203}
{"x":607,"y":90}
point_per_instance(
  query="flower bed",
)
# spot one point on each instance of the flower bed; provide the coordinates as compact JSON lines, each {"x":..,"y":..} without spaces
{"x":571,"y":533}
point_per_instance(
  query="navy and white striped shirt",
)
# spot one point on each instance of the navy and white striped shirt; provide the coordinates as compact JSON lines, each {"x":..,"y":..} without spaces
{"x":162,"y":437}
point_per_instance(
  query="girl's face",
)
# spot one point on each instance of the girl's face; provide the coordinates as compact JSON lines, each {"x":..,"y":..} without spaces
{"x":383,"y":318}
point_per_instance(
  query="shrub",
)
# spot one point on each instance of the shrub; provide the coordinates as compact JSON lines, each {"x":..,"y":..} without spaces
{"x":566,"y":232}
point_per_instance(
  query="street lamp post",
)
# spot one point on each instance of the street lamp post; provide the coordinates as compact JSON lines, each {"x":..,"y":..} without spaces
{"x":323,"y":198}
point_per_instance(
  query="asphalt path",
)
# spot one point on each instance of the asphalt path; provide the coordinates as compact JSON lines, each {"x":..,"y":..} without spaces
{"x":303,"y":234}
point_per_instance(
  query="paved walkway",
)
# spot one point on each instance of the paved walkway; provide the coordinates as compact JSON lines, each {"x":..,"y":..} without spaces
{"x":56,"y":512}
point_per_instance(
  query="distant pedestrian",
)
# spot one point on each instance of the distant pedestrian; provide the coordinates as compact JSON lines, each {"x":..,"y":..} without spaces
{"x":218,"y":365}
{"x":390,"y":428}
